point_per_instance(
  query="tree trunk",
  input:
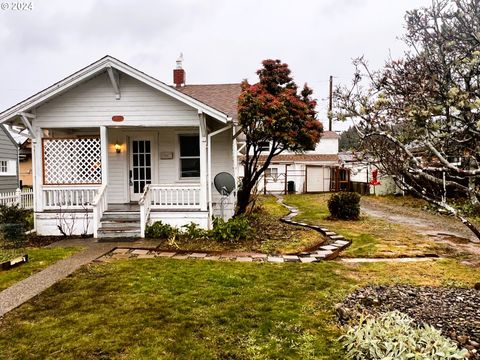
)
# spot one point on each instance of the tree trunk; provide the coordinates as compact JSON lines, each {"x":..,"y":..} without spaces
{"x":243,"y":200}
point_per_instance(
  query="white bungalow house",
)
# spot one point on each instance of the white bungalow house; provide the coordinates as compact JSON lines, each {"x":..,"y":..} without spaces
{"x":114,"y":149}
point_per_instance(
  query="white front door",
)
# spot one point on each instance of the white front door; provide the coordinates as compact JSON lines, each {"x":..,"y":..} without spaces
{"x":141,"y":160}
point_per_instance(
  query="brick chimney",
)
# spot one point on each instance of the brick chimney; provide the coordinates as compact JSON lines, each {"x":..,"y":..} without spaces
{"x":179,"y":73}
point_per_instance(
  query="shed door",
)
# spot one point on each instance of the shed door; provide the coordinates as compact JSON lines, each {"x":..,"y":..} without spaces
{"x":318,"y":179}
{"x":140,"y":166}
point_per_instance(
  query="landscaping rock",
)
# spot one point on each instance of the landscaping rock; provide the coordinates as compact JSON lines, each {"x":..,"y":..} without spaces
{"x":453,"y":311}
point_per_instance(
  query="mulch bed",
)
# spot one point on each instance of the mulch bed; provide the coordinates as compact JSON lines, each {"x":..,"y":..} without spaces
{"x":453,"y":311}
{"x":34,"y":240}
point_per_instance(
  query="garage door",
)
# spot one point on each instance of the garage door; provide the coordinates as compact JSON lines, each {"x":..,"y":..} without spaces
{"x":318,"y":179}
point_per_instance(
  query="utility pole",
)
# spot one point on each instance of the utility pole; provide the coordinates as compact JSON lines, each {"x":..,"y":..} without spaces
{"x":330,"y":104}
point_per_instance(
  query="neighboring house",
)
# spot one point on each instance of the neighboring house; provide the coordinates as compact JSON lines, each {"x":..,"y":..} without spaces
{"x":318,"y":170}
{"x":24,"y":144}
{"x":8,"y":162}
{"x":25,"y":164}
{"x":365,"y":172}
{"x":101,"y":135}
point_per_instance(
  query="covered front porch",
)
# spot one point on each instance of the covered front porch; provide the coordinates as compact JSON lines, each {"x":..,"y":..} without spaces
{"x":109,"y":181}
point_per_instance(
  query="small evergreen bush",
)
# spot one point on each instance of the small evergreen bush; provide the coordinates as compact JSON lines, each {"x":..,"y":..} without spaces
{"x":237,"y":228}
{"x":159,"y":230}
{"x":394,"y":336}
{"x":344,"y":206}
{"x":194,"y":231}
{"x":13,"y":222}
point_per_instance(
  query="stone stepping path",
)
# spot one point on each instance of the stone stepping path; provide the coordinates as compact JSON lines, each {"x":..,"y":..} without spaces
{"x":330,"y":250}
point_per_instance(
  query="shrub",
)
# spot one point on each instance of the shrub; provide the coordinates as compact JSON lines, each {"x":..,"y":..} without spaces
{"x":194,"y":231}
{"x":14,"y":215}
{"x":394,"y":335}
{"x":234,"y":229}
{"x":14,"y":220}
{"x":344,"y":206}
{"x":13,"y":235}
{"x":159,"y":230}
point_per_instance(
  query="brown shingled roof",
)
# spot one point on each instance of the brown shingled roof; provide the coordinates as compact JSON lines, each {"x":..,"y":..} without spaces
{"x":223,"y":97}
{"x":330,"y":135}
{"x":302,"y":157}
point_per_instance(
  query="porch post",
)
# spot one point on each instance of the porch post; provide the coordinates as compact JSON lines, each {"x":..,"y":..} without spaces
{"x":203,"y":162}
{"x":104,"y":150}
{"x":37,"y":170}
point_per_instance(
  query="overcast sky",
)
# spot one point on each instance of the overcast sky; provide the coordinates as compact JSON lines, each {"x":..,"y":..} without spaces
{"x":222,"y":41}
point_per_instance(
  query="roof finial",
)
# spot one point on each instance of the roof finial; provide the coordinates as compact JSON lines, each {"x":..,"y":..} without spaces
{"x":179,"y":61}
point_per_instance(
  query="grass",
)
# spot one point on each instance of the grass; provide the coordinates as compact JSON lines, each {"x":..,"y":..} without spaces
{"x":194,"y":309}
{"x":269,"y":235}
{"x":171,"y":309}
{"x":38,"y":259}
{"x":371,"y":237}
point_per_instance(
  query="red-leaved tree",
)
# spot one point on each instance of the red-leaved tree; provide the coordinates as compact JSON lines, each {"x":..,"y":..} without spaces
{"x":274,"y":111}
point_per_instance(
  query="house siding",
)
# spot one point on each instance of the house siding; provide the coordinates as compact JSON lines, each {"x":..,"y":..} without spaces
{"x":93,"y":103}
{"x":8,"y":151}
{"x":222,"y":161}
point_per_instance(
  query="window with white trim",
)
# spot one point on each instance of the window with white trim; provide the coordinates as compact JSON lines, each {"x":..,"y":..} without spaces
{"x":8,"y":167}
{"x":189,"y":156}
{"x":271,"y":172}
{"x":3,"y":166}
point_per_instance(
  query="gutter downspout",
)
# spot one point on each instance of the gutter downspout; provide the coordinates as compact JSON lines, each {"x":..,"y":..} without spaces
{"x":209,"y":170}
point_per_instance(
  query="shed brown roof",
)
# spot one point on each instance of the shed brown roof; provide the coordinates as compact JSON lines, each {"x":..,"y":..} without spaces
{"x":223,"y":97}
{"x":330,"y":135}
{"x":303,"y":158}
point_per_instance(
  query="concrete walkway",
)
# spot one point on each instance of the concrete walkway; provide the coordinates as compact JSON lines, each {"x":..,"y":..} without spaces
{"x":26,"y":289}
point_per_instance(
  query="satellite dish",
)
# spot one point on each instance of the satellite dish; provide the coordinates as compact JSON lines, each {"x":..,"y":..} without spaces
{"x":224,"y":183}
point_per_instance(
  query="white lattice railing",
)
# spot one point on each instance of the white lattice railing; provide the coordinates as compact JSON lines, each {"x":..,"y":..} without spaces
{"x":69,"y":197}
{"x":168,"y":197}
{"x":145,"y":203}
{"x":24,"y":199}
{"x":99,"y":205}
{"x":71,"y":161}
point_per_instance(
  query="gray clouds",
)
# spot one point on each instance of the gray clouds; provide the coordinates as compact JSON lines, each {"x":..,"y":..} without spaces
{"x":222,"y":41}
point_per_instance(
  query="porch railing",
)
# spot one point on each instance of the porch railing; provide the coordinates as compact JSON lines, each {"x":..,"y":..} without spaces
{"x":99,"y":205}
{"x":145,"y":203}
{"x":182,"y":196}
{"x":69,"y":197}
{"x":168,"y":197}
{"x":22,"y":198}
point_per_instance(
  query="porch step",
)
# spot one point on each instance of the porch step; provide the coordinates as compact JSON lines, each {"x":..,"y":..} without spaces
{"x":132,"y":216}
{"x":121,"y":233}
{"x":120,"y":224}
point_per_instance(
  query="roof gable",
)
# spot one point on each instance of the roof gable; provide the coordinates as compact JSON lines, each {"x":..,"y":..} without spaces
{"x":98,"y":67}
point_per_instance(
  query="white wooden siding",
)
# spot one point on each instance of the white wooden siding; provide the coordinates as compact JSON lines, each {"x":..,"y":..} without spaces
{"x":93,"y":103}
{"x":117,"y":190}
{"x":222,"y":161}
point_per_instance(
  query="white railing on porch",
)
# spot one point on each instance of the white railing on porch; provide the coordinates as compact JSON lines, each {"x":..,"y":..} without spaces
{"x":99,"y":205}
{"x":22,"y":198}
{"x":168,"y":197}
{"x":69,"y":197}
{"x":182,"y":196}
{"x":145,"y":203}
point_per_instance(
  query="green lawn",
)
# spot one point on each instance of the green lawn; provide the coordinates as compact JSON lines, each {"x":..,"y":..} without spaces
{"x":187,"y":309}
{"x":38,"y":259}
{"x":196,"y":309}
{"x":371,"y":237}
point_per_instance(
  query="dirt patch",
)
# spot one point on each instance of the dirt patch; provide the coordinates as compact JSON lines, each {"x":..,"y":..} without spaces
{"x":440,"y":229}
